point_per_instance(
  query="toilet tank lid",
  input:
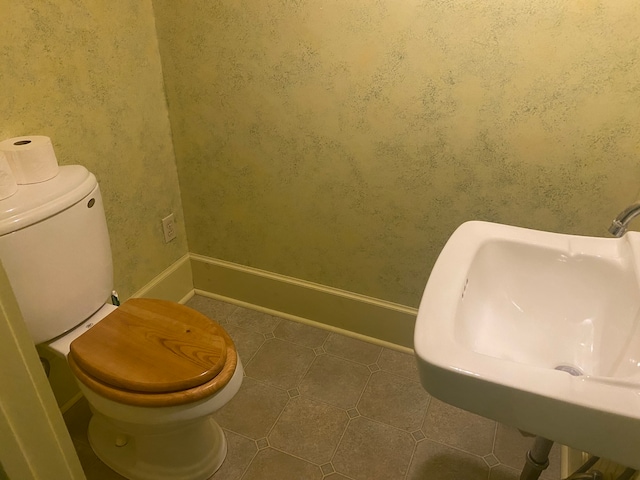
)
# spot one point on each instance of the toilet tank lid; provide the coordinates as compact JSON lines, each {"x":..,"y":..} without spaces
{"x":35,"y":202}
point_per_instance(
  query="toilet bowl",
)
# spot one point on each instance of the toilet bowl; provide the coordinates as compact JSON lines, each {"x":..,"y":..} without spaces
{"x":153,"y":372}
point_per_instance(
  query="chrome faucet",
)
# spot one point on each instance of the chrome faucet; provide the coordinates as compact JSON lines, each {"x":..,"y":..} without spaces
{"x":619,"y":225}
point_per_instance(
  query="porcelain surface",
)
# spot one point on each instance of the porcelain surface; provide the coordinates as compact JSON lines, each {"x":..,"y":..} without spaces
{"x":540,"y":331}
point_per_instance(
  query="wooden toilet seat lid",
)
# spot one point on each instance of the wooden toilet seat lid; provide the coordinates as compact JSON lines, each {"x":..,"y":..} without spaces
{"x":151,"y":346}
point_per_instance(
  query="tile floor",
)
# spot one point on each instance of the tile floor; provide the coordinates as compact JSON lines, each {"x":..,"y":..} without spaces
{"x":319,"y":405}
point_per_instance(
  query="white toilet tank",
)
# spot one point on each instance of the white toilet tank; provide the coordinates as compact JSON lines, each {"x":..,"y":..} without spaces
{"x":54,"y":246}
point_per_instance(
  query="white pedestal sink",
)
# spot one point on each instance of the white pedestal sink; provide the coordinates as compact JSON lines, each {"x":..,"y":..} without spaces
{"x":505,"y":307}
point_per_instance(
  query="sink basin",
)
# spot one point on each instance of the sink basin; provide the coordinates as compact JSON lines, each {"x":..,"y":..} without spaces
{"x":539,"y":331}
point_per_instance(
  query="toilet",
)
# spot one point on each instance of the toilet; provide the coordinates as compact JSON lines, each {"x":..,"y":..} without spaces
{"x":153,"y":371}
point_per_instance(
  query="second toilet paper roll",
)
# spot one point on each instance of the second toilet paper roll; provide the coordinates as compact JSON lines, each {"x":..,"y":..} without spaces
{"x":8,"y":184}
{"x":31,"y":158}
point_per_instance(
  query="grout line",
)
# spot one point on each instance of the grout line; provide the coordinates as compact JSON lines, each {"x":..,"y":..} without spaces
{"x":458,"y":449}
{"x":267,"y":384}
{"x":277,"y":420}
{"x":413,"y":455}
{"x":245,"y":363}
{"x":495,"y":439}
{"x":493,"y":451}
{"x":335,"y":450}
{"x":363,"y":390}
{"x":350,"y":361}
{"x":306,"y":371}
{"x":297,"y":456}
{"x":403,"y":431}
{"x":379,"y":356}
{"x":424,"y":415}
{"x":244,"y":471}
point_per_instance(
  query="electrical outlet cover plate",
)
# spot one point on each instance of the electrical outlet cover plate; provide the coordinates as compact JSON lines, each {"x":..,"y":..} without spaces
{"x":169,"y":228}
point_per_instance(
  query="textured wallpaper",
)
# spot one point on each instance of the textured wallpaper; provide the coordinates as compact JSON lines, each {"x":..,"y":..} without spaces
{"x":342,"y":142}
{"x":88,"y":75}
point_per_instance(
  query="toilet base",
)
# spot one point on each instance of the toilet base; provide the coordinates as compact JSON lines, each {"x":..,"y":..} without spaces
{"x":191,"y":451}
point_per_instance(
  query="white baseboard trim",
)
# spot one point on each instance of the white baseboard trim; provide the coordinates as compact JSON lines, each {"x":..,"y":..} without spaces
{"x":175,"y":283}
{"x":306,"y":321}
{"x":346,"y":312}
{"x":71,"y":402}
{"x":358,"y":315}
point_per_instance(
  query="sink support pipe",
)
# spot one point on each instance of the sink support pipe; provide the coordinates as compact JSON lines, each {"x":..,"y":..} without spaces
{"x":537,"y":459}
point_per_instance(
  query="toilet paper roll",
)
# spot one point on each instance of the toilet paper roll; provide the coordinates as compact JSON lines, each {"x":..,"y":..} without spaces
{"x":32,"y":159}
{"x":8,"y":185}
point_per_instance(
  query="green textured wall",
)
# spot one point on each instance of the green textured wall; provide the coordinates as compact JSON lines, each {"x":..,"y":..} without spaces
{"x":88,"y":75}
{"x":343,"y":141}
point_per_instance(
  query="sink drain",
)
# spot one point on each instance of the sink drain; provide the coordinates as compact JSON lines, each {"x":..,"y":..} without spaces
{"x":570,"y":369}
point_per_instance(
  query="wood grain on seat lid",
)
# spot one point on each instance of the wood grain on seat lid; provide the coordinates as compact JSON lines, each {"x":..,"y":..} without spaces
{"x":151,"y":346}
